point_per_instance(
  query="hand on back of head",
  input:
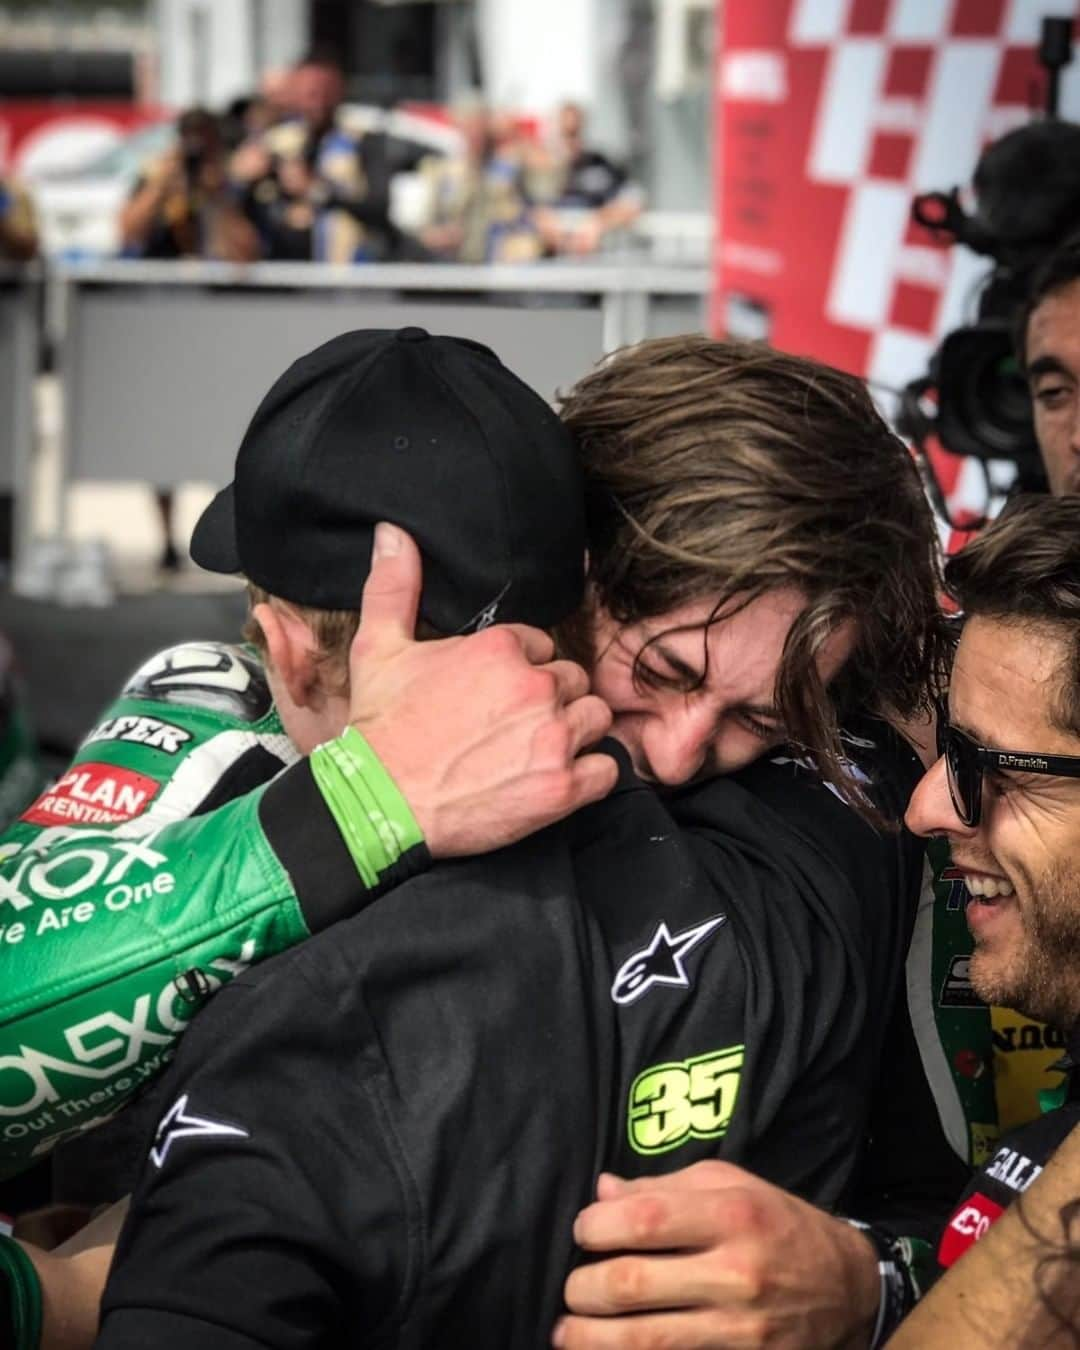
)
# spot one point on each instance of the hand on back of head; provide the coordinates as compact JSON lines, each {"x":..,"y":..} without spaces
{"x":482,"y":733}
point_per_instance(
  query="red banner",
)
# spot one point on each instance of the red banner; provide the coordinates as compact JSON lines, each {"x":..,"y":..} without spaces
{"x":831,"y":115}
{"x":59,"y":132}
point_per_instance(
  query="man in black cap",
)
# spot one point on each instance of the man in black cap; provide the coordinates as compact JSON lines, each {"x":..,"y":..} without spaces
{"x":435,"y":434}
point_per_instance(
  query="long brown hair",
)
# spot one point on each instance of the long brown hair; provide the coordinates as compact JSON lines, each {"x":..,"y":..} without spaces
{"x":727,"y":469}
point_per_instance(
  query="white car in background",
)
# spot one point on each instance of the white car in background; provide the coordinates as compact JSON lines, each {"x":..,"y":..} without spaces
{"x":78,"y":204}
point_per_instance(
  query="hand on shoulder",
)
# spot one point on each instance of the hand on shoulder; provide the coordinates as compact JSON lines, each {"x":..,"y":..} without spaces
{"x":483,"y":733}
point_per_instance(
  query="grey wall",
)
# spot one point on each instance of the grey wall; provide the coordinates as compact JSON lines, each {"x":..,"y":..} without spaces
{"x":162,"y":382}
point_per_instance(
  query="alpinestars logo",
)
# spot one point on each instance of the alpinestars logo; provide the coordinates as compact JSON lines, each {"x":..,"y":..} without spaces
{"x":178,"y":1123}
{"x":661,"y":962}
{"x":487,"y":615}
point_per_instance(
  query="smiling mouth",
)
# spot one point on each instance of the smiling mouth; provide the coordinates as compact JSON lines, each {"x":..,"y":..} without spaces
{"x":986,"y":889}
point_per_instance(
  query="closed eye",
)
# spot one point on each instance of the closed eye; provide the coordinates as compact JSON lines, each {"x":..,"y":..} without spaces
{"x":653,"y":678}
{"x":665,"y":671}
{"x":764,"y":730}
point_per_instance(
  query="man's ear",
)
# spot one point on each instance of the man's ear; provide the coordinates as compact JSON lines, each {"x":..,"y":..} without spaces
{"x":290,"y":651}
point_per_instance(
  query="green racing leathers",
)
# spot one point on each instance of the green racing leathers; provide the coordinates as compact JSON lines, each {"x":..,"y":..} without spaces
{"x":187,"y":840}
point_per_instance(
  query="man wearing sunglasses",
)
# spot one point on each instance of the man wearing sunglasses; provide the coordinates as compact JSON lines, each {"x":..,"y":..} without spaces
{"x":1005,"y":792}
{"x":1006,"y":788}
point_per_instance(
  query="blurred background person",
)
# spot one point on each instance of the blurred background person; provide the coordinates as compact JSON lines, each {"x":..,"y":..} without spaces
{"x":184,"y":207}
{"x":477,"y":203}
{"x":585,"y":195}
{"x":252,"y":115}
{"x":315,"y":186}
{"x":18,"y":229}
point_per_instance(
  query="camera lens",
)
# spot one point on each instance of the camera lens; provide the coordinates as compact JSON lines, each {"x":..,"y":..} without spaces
{"x":984,"y":408}
{"x":998,"y":402}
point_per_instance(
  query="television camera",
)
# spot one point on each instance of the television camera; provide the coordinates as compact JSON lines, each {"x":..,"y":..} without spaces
{"x":974,"y":396}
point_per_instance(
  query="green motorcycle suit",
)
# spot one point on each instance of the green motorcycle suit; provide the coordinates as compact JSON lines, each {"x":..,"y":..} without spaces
{"x":183,"y":845}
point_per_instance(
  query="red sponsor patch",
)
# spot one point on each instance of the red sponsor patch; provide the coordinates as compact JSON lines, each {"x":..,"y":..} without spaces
{"x":94,"y":794}
{"x":967,"y":1225}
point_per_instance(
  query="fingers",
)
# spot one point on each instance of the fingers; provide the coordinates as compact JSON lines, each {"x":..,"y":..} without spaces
{"x":694,"y":1329}
{"x":593,"y":776}
{"x":608,"y":1186}
{"x":713,"y":1173}
{"x":571,"y":682}
{"x":642,"y":1283}
{"x":391,"y":598}
{"x":588,"y":721}
{"x":535,"y":643}
{"x":657,"y":1221}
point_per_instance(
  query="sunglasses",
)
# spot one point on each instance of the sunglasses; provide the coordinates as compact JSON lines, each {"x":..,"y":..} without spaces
{"x":965,"y":762}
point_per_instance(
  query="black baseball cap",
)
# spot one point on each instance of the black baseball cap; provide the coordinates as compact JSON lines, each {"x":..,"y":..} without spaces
{"x":430,"y":433}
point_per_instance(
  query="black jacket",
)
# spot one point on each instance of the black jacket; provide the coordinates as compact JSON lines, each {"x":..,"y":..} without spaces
{"x":383,"y":1136}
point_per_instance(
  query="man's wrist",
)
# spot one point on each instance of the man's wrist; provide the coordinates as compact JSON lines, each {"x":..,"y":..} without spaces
{"x":896,"y":1294}
{"x":375,"y":821}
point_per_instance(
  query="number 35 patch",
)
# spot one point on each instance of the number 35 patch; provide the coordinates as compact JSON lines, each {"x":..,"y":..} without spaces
{"x":695,"y":1099}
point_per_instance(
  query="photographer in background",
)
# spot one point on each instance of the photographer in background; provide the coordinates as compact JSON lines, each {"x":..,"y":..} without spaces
{"x":315,"y":185}
{"x":1049,"y":350}
{"x":183,"y":207}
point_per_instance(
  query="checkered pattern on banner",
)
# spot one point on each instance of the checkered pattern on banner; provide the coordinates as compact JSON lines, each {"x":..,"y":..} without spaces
{"x":887,"y":98}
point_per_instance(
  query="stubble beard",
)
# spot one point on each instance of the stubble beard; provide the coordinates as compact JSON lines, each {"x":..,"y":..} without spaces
{"x":1040,"y":975}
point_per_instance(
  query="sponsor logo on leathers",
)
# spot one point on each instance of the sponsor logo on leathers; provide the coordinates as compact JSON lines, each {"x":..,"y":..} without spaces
{"x":1013,"y":1169}
{"x":109,"y":1044}
{"x":956,"y":989}
{"x":967,"y":1225}
{"x":94,"y":794}
{"x":61,"y":864}
{"x":148,"y":731}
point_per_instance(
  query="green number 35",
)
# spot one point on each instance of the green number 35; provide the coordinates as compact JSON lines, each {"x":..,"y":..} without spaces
{"x":694,"y":1099}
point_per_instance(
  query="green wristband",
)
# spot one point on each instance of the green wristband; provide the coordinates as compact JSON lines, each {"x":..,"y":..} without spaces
{"x":374,"y":818}
{"x":24,"y":1295}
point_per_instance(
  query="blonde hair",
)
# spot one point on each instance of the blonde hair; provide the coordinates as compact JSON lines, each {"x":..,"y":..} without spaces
{"x":332,"y":629}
